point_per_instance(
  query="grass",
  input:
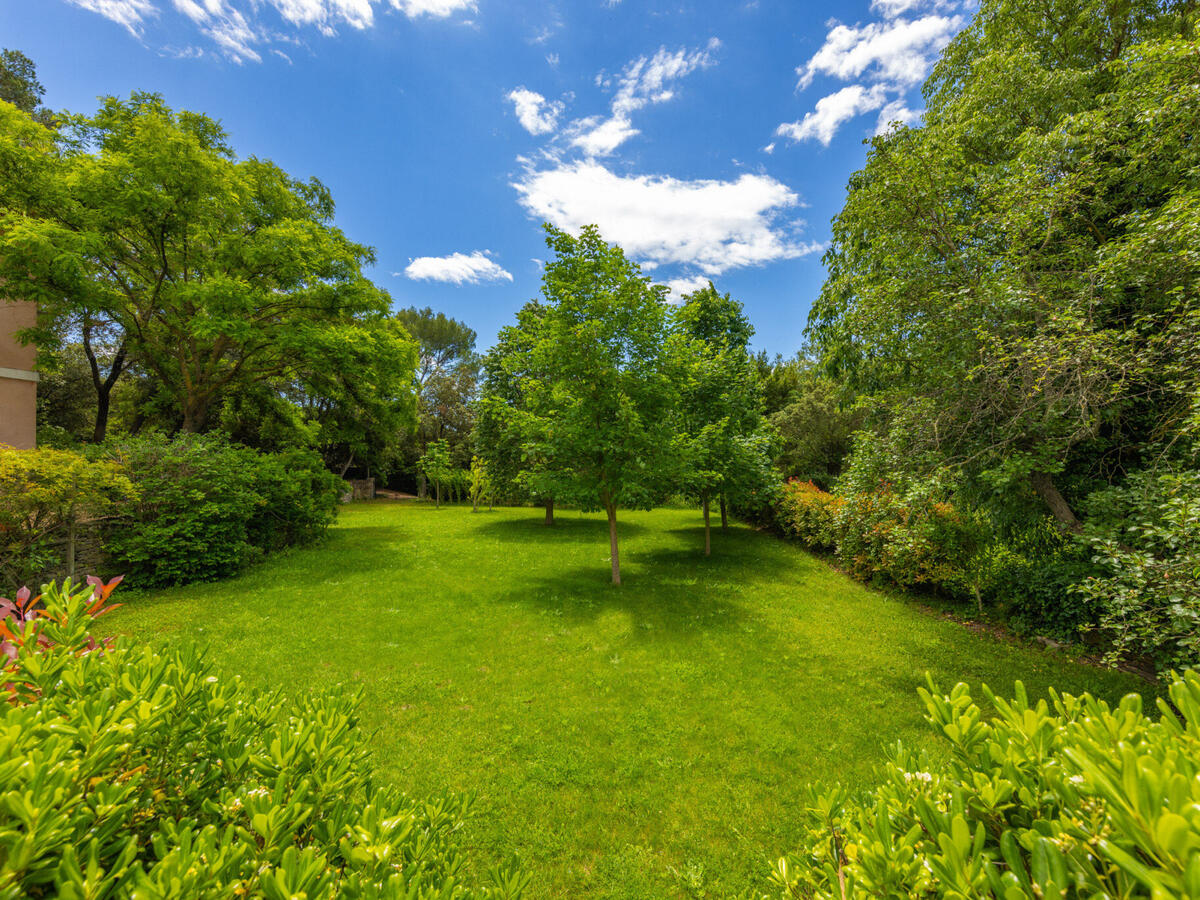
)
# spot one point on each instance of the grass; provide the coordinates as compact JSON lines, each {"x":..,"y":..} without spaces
{"x":644,"y":741}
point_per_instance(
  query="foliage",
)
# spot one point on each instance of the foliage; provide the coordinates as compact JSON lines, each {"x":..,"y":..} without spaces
{"x":44,"y":494}
{"x":480,"y":483}
{"x":446,"y":377}
{"x":131,"y":772}
{"x":601,"y":383}
{"x":207,"y":508}
{"x":814,"y":422}
{"x":209,"y":273}
{"x":1070,"y":798}
{"x":1014,"y":295}
{"x":30,"y":624}
{"x":725,"y":440}
{"x":19,"y":85}
{"x":809,"y":514}
{"x":436,"y":466}
{"x":1145,"y":536}
{"x":298,"y":499}
{"x":502,"y":410}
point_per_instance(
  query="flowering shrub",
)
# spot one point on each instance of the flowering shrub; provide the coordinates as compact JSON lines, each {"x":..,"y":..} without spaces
{"x":879,"y":533}
{"x":133,"y":773}
{"x":1067,"y":799}
{"x":809,"y":514}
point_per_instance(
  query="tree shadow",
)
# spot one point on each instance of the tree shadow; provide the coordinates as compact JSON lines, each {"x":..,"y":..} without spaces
{"x":669,"y":594}
{"x":568,"y":527}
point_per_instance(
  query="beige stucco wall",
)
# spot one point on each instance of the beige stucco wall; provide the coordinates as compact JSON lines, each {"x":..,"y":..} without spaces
{"x":18,"y":382}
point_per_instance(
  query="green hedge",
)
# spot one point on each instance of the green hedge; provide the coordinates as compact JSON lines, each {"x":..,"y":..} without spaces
{"x":207,"y":508}
{"x":129,"y":773}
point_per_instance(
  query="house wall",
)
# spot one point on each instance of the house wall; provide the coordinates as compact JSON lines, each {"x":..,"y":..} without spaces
{"x":18,"y":380}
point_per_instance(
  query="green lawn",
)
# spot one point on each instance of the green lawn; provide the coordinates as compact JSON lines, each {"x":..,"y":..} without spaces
{"x":649,"y":740}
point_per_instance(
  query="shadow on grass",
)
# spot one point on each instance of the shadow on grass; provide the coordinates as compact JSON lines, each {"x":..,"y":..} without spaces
{"x":668,"y":593}
{"x":568,"y":527}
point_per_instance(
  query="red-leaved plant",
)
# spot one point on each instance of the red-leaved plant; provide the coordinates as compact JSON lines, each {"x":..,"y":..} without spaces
{"x":59,"y":616}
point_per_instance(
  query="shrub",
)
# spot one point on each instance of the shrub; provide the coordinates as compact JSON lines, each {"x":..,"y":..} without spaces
{"x":130,"y":772}
{"x":299,"y":499}
{"x":808,"y":514}
{"x":44,"y":494}
{"x":208,"y":508}
{"x":1070,"y":799}
{"x":191,"y":520}
{"x":1145,"y":537}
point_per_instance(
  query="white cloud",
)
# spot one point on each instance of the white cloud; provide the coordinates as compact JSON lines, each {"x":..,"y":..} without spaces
{"x":708,"y":225}
{"x":437,"y":9}
{"x":885,"y":60}
{"x":324,"y":14}
{"x":644,"y":81}
{"x":685,"y":285}
{"x":889,"y":9}
{"x":823,"y":122}
{"x":897,"y":111}
{"x":769,"y":149}
{"x":130,"y":13}
{"x":536,"y":115}
{"x":899,"y":52}
{"x":457,"y":268}
{"x":235,"y":25}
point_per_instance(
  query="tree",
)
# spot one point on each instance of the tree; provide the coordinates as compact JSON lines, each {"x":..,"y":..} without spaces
{"x":1001,"y":278}
{"x":446,"y":379}
{"x":19,"y":85}
{"x":601,"y":383}
{"x":720,"y":408}
{"x":480,"y":484}
{"x":502,"y":413}
{"x":209,"y":271}
{"x":815,"y":423}
{"x":436,"y":466}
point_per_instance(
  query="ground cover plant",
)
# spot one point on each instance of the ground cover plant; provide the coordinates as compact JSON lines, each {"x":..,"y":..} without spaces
{"x":647,"y":741}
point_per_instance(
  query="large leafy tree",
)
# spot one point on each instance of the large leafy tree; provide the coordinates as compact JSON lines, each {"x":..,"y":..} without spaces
{"x":446,"y":379}
{"x":206,"y":270}
{"x":602,"y":382}
{"x":726,"y":438}
{"x":1008,"y":277}
{"x":503,"y":414}
{"x":19,"y":85}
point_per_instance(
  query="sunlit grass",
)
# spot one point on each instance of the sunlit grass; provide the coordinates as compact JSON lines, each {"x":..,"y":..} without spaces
{"x":649,"y":740}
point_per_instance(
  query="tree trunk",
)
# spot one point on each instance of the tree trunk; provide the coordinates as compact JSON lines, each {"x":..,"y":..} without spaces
{"x":550,"y":511}
{"x":707,"y":532}
{"x":437,"y":493}
{"x":103,"y":385}
{"x":724,"y":515}
{"x":346,"y":465}
{"x":1043,"y":484}
{"x":612,"y":544}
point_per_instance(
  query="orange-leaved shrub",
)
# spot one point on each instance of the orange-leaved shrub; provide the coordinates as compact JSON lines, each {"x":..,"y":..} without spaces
{"x":910,"y":538}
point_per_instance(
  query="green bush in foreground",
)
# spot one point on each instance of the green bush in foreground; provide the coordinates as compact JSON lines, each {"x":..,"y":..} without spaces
{"x":125,"y":772}
{"x":1082,"y":801}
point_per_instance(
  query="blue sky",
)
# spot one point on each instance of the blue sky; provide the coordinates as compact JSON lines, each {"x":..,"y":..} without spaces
{"x":709,"y":139}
